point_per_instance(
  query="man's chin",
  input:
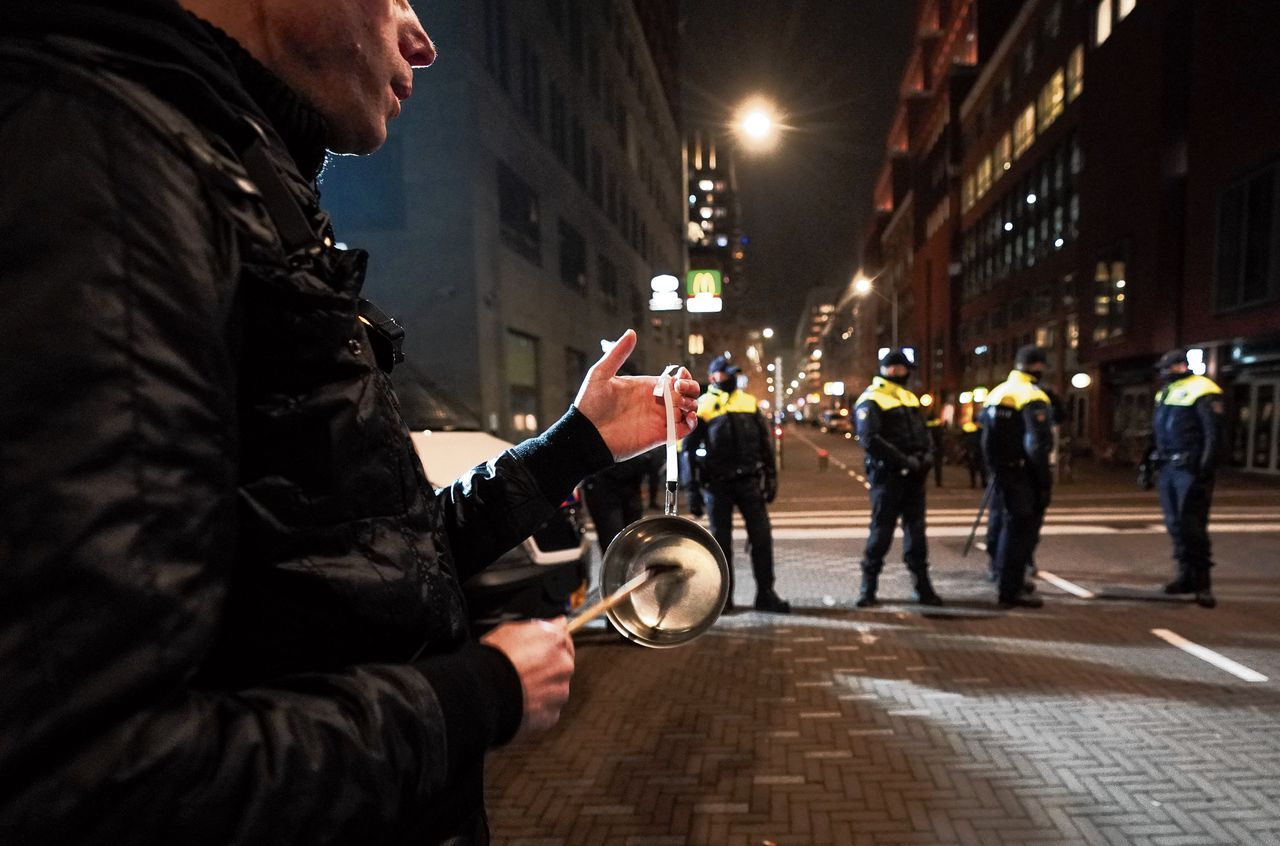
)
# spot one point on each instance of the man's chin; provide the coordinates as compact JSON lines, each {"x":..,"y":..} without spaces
{"x":350,"y":140}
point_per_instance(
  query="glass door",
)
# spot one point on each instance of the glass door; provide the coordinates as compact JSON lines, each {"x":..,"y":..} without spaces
{"x":1262,"y":454}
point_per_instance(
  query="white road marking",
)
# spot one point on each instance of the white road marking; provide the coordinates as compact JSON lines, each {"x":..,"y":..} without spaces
{"x":1063,"y":584}
{"x":1222,"y":662}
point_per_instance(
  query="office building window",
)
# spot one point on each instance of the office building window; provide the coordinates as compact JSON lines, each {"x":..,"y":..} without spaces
{"x":1124,"y":7}
{"x":578,"y":136}
{"x":1053,"y":98}
{"x":521,"y":226}
{"x":967,"y":193}
{"x":984,"y":176}
{"x":1075,"y":73}
{"x":575,"y":370}
{"x":1110,"y":295}
{"x":1102,"y":22}
{"x":1024,"y":131}
{"x":559,"y":123}
{"x":522,"y":381}
{"x":1247,"y":264}
{"x":1053,"y":21}
{"x":573,"y":257}
{"x":531,"y":86}
{"x":1004,"y":154}
{"x":496,"y":60}
{"x":608,"y":278}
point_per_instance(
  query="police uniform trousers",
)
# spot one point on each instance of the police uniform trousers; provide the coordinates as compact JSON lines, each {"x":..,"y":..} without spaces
{"x":895,"y":497}
{"x":745,"y":493}
{"x":1185,"y":501}
{"x":995,"y":525}
{"x":1019,"y":517}
{"x":613,"y":507}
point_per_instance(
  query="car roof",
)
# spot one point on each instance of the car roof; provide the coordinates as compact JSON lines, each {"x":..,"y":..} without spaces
{"x":447,"y":455}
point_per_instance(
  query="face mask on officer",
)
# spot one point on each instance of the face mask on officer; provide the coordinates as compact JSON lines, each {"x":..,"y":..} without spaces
{"x":899,"y":374}
{"x":1172,"y":366}
{"x":1031,"y":361}
{"x":724,"y":380}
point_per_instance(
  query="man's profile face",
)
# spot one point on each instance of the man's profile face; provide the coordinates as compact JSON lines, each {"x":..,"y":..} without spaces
{"x":350,"y":59}
{"x":722,"y":378}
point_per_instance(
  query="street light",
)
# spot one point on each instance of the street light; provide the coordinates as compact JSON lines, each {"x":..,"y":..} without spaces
{"x":757,"y":124}
{"x":767,"y":333}
{"x":862,"y":286}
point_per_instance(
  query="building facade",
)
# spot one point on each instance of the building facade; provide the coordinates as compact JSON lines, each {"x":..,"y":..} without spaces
{"x":525,"y":200}
{"x":1116,"y":193}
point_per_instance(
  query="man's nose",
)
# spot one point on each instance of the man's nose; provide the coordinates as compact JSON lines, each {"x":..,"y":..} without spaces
{"x":415,"y":45}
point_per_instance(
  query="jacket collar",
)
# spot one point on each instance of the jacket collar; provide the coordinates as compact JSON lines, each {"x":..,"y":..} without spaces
{"x":1020,"y":378}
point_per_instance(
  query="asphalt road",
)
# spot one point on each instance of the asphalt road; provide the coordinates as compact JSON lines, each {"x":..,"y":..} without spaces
{"x":1112,"y":715}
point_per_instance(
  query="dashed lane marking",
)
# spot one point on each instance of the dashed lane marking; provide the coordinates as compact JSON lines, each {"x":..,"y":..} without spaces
{"x":1204,"y":653}
{"x":1063,"y":584}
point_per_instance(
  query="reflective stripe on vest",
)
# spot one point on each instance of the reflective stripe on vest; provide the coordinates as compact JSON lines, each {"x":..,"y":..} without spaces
{"x":888,"y":395}
{"x":1016,"y":392}
{"x":1185,"y":392}
{"x":716,"y":402}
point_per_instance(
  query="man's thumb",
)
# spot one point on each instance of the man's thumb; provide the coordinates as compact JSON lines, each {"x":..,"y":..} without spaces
{"x":617,"y":355}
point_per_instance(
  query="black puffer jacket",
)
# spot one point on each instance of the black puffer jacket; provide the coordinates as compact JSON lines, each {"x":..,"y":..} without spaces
{"x":229,"y":602}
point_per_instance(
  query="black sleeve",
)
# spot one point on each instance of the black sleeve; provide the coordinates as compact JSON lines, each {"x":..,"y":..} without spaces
{"x":868,"y":423}
{"x":767,"y":453}
{"x":497,"y":505}
{"x":1037,"y":437}
{"x":692,"y":469}
{"x":1209,"y":410}
{"x":118,"y":532}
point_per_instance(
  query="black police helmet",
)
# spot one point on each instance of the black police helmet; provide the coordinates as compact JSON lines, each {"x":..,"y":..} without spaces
{"x":893,"y":357}
{"x":720,"y":364}
{"x":1171,"y":358}
{"x":1028,"y":356}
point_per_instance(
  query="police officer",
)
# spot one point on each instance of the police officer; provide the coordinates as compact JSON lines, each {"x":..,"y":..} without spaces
{"x":614,"y":497}
{"x":1186,"y":440}
{"x":730,"y":460}
{"x":1017,"y":438}
{"x":899,"y":455}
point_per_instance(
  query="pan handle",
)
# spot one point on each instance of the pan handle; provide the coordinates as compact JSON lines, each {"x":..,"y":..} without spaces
{"x":666,"y":386}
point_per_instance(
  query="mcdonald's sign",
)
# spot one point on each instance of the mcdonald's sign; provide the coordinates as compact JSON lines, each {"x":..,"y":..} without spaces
{"x":704,"y":288}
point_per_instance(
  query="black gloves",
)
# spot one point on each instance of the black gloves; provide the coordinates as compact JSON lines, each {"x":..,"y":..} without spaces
{"x":1146,"y":476}
{"x":913,"y":464}
{"x":770,"y":489}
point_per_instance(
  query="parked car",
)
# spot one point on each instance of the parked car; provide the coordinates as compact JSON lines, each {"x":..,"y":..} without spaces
{"x":546,"y":575}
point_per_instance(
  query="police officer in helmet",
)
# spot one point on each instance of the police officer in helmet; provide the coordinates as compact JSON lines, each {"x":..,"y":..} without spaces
{"x":730,"y":461}
{"x":899,"y":455}
{"x":1017,"y":439}
{"x":1186,"y":439}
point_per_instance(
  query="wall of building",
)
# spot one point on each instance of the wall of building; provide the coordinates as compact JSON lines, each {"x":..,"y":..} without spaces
{"x":563,"y":101}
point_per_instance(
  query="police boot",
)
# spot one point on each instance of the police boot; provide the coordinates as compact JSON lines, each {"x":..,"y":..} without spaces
{"x":924,"y":592}
{"x":768,"y":600}
{"x":1204,"y":592}
{"x":867,"y":593}
{"x":1183,"y":584}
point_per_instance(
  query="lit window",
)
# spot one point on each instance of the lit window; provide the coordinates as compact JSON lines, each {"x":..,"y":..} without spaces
{"x":1075,"y":73}
{"x":1125,"y":7}
{"x":1052,"y":99}
{"x":1024,"y":131}
{"x":984,"y":175}
{"x":1004,"y":154}
{"x":1103,"y":19}
{"x":966,"y":193}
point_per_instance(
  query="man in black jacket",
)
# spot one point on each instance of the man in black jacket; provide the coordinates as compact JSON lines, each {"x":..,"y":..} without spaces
{"x":730,"y":461}
{"x":899,"y":455}
{"x":229,"y":602}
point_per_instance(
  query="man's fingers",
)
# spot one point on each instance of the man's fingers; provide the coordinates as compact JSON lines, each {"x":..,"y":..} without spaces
{"x":687,"y":387}
{"x":607,"y":366}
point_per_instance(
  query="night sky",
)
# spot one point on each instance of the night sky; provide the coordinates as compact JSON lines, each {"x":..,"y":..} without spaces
{"x":833,"y":68}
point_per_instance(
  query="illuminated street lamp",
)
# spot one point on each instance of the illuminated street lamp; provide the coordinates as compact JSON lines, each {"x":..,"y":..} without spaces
{"x":767,"y":333}
{"x":757,"y":124}
{"x":862,"y":286}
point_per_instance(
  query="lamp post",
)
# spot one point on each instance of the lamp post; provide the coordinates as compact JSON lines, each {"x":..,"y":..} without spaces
{"x":862,"y":286}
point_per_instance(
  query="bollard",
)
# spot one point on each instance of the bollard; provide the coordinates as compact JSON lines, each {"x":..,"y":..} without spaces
{"x":824,"y":458}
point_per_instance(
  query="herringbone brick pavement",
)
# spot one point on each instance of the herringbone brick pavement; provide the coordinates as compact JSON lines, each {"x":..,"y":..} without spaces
{"x":962,"y":726}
